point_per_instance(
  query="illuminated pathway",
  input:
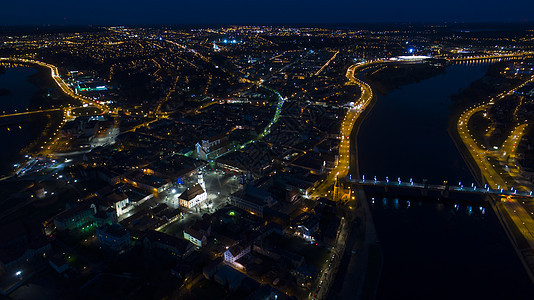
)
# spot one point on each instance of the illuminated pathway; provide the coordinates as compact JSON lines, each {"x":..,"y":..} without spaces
{"x":267,"y":129}
{"x":341,"y":169}
{"x":67,"y":110}
{"x":327,"y":63}
{"x":342,"y":165}
{"x":30,"y":112}
{"x":59,"y":81}
{"x":279,"y":105}
{"x":517,"y":212}
{"x":488,"y":57}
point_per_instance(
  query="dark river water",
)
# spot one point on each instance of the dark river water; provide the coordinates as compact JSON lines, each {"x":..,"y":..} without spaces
{"x":433,"y":249}
{"x":17,"y":133}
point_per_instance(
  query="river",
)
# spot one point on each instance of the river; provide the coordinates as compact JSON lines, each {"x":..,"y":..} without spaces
{"x":16,"y":134}
{"x":433,"y":249}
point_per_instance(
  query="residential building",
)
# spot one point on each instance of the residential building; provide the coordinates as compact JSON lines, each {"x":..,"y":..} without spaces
{"x":213,"y":147}
{"x":58,"y":263}
{"x":114,"y":237}
{"x":21,"y":245}
{"x":75,"y":217}
{"x":118,"y":201}
{"x":236,"y":252}
{"x":168,"y":244}
{"x":252,"y":199}
{"x":196,"y":237}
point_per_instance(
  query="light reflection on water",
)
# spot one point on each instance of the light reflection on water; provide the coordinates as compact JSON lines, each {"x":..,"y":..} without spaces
{"x":451,"y":205}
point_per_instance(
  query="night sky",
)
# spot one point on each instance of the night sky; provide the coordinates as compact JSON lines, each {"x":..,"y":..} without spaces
{"x":139,"y":12}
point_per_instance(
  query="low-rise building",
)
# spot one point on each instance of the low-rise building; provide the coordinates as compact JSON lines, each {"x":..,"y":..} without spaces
{"x":198,"y":233}
{"x":147,"y":182}
{"x":21,"y":246}
{"x":109,"y":216}
{"x":213,"y":147}
{"x":168,"y":244}
{"x":114,"y":237}
{"x":58,"y":263}
{"x":252,"y":199}
{"x":118,"y":201}
{"x":236,"y":252}
{"x":75,"y":217}
{"x":307,"y":226}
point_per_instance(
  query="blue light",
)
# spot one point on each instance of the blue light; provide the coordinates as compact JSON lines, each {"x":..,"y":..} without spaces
{"x":410,"y":50}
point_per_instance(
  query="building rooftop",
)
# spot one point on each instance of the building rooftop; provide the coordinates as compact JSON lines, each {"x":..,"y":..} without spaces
{"x":70,"y":213}
{"x":115,"y":230}
{"x":192,"y":192}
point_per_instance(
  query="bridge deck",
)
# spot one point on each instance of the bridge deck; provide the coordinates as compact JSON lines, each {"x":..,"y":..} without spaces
{"x":472,"y":189}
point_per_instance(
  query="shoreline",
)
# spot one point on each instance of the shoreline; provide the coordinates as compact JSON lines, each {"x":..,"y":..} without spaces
{"x":38,"y":125}
{"x":503,"y":216}
{"x":499,"y":211}
{"x":354,"y":170}
{"x":362,"y":248}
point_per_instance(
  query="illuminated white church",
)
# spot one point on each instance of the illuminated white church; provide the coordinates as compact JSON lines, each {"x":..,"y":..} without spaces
{"x":194,"y":195}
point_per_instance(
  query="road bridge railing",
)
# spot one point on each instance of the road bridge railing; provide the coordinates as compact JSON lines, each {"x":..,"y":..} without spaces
{"x":473,"y":188}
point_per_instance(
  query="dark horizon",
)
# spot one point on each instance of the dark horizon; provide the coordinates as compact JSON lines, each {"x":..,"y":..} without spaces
{"x":99,"y":13}
{"x":502,"y":25}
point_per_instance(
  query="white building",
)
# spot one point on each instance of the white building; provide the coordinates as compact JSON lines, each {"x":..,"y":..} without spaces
{"x":196,"y":237}
{"x":194,"y":195}
{"x":119,"y":202}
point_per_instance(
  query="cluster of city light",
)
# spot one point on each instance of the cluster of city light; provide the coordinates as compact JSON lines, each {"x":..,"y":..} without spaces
{"x":66,"y":90}
{"x":59,"y":81}
{"x":479,"y":154}
{"x":496,"y":182}
{"x":342,"y":164}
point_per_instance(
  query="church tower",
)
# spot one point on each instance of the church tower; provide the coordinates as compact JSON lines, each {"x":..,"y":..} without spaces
{"x":201,"y":179}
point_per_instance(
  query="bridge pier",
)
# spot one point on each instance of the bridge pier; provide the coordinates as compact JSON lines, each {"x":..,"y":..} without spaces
{"x":424,"y":190}
{"x":445,"y":192}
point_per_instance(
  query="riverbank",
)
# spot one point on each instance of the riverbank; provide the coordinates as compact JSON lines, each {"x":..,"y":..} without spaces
{"x":50,"y":95}
{"x":362,"y":258}
{"x":407,"y":131}
{"x":521,"y":246}
{"x":518,"y":242}
{"x":354,"y":138}
{"x":351,"y":231}
{"x":407,"y":135}
{"x":32,"y":89}
{"x":391,"y":76}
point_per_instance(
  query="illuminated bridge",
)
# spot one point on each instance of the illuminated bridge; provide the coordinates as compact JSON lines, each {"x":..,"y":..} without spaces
{"x":489,"y":58}
{"x":426,"y":189}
